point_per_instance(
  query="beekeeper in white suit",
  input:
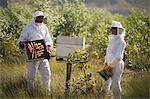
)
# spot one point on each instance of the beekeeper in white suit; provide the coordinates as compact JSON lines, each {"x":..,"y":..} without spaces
{"x":37,"y":30}
{"x":113,"y":58}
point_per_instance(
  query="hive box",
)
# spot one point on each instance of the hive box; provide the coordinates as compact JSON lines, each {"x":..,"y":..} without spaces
{"x":66,"y":45}
{"x":35,"y":50}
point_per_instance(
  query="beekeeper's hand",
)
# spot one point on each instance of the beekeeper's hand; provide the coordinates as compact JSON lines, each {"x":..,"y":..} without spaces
{"x":106,"y":67}
{"x":21,"y":45}
{"x":114,"y":62}
{"x":49,"y":48}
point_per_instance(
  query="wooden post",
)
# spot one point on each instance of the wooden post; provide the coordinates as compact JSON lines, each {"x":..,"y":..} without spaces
{"x":68,"y":75}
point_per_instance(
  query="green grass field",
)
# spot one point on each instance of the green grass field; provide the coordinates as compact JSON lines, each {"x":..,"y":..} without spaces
{"x":135,"y":84}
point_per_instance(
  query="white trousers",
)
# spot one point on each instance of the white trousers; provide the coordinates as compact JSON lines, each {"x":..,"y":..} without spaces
{"x":115,"y":81}
{"x":43,"y":67}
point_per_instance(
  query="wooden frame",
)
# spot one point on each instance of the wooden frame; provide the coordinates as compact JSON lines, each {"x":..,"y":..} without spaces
{"x":35,"y":50}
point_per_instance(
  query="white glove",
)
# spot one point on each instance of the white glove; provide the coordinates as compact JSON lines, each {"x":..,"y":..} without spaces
{"x":114,"y":62}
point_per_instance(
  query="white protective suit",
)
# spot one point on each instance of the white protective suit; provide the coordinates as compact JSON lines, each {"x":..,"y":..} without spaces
{"x":36,"y":31}
{"x":113,"y":58}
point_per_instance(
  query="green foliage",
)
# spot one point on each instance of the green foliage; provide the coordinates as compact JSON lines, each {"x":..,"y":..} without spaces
{"x":12,"y":21}
{"x":70,"y":18}
{"x":10,"y":29}
{"x":98,"y":30}
{"x":75,"y":19}
{"x":137,"y":37}
{"x":82,"y":82}
{"x":78,"y":58}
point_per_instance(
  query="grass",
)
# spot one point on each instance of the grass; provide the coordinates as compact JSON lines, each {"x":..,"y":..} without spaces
{"x":14,"y":86}
{"x":136,"y":84}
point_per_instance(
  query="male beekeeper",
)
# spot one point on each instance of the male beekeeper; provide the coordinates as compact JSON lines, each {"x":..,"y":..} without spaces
{"x":37,"y":30}
{"x":114,"y":59}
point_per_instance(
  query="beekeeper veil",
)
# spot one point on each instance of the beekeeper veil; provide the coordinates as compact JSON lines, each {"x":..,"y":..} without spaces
{"x":38,"y":16}
{"x":119,"y":31}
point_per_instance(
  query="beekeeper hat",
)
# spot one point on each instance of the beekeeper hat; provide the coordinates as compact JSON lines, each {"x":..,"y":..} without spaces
{"x":116,"y":24}
{"x":38,"y":13}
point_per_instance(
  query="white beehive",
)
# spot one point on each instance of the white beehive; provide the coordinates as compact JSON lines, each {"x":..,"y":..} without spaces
{"x":66,"y":45}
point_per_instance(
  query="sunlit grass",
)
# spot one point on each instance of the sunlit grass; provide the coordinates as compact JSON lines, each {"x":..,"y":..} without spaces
{"x":14,"y":86}
{"x":136,"y":85}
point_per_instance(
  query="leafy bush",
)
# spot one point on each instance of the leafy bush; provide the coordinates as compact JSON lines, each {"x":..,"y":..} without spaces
{"x":82,"y":82}
{"x":10,"y":29}
{"x":137,"y":38}
{"x":74,"y":18}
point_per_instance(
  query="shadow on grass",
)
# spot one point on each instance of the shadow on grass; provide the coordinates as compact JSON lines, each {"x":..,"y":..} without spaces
{"x":137,"y":87}
{"x":19,"y":88}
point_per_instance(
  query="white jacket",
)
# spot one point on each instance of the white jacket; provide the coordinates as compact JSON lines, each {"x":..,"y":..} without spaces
{"x":115,"y":50}
{"x":34,"y":32}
